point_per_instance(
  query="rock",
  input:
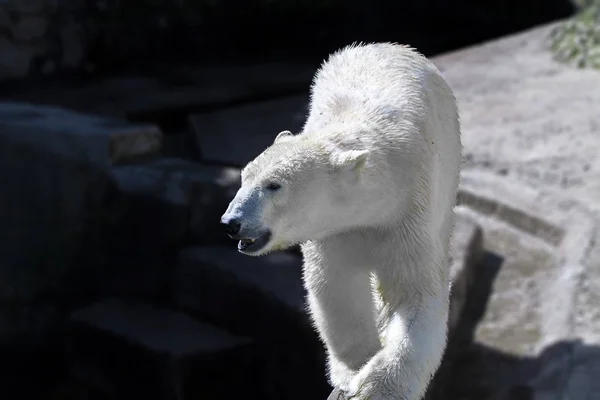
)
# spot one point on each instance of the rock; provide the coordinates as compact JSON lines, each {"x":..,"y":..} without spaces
{"x":532,"y":304}
{"x":30,"y":28}
{"x":80,"y":137}
{"x":127,"y":348}
{"x":246,"y":294}
{"x":57,"y":217}
{"x":258,"y":297}
{"x":75,"y":226}
{"x":530,"y":180}
{"x":524,"y":112}
{"x":170,"y":201}
{"x":235,"y":136}
{"x":15,"y":61}
{"x":185,"y":91}
{"x":167,"y":101}
{"x":49,"y":207}
{"x":524,"y":301}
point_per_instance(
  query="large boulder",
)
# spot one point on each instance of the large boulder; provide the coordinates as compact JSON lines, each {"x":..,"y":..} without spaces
{"x":123,"y":348}
{"x":530,"y":179}
{"x":54,"y":185}
{"x":259,"y":297}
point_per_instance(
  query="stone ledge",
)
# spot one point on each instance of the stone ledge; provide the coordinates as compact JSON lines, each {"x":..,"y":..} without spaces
{"x":258,"y":297}
{"x":125,"y":348}
{"x":78,"y":137}
{"x":179,"y":92}
{"x":170,"y":201}
{"x":219,"y":283}
{"x":235,"y":136}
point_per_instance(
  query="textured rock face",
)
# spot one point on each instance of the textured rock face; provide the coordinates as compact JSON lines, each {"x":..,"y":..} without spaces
{"x":128,"y":348}
{"x":78,"y":137}
{"x":91,"y":209}
{"x":54,"y":188}
{"x":539,"y":125}
{"x":530,"y":180}
{"x":236,"y":136}
{"x":171,"y":200}
{"x":41,"y":37}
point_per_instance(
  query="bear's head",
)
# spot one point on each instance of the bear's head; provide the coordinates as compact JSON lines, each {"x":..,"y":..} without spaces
{"x":298,"y":189}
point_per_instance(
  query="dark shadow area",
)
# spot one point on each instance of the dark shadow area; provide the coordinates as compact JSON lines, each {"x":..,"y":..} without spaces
{"x":153,"y":37}
{"x":122,"y":37}
{"x":477,"y":298}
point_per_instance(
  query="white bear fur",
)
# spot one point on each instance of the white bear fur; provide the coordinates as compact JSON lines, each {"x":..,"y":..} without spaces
{"x":368,"y":188}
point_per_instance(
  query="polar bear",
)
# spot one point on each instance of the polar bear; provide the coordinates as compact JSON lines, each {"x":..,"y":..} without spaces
{"x":368,"y":189}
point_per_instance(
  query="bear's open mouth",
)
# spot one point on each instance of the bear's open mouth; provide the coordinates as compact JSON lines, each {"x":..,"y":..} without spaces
{"x":253,"y":245}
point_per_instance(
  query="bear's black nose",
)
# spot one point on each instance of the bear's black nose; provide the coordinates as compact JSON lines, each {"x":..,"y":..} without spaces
{"x":232,"y":226}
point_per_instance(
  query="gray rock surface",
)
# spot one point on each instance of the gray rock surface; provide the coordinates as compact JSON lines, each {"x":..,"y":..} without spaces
{"x":258,"y":297}
{"x":247,"y":294}
{"x":47,"y":206}
{"x":170,"y":201}
{"x":237,"y":136}
{"x":55,"y":220}
{"x":127,"y":348}
{"x":176,"y":94}
{"x":528,"y":117}
{"x":157,"y":329}
{"x":77,"y":137}
{"x":531,"y":136}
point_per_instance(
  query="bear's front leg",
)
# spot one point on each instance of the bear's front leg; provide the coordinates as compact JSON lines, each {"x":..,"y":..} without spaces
{"x":341,"y":305}
{"x":413,"y":351}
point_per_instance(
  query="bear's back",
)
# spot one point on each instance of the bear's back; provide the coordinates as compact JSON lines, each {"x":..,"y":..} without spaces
{"x":372,"y":77}
{"x":402,"y":96}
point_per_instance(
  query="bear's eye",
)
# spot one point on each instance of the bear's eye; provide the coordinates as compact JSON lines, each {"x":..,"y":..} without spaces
{"x":273,"y":186}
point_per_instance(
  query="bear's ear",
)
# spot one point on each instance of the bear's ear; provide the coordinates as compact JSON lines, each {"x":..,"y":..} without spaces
{"x":282,"y":135}
{"x":350,"y":160}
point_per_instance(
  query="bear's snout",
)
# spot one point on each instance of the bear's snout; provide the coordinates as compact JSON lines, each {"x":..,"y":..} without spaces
{"x":232,"y":225}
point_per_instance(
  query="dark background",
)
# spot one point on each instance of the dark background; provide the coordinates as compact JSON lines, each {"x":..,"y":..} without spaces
{"x":144,"y":34}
